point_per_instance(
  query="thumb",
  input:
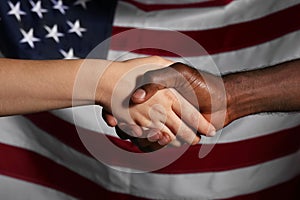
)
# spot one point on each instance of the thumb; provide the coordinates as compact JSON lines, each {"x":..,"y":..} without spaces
{"x":155,"y":80}
{"x":145,"y":92}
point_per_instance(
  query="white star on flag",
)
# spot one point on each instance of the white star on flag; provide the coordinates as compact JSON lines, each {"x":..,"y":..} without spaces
{"x":82,"y":3}
{"x":16,"y":10}
{"x":75,"y":28}
{"x":29,"y":38}
{"x":69,"y":54}
{"x":58,"y":5}
{"x":37,"y":8}
{"x":53,"y":33}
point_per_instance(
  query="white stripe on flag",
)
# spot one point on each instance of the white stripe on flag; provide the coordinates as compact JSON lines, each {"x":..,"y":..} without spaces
{"x":14,"y":189}
{"x":217,"y":185}
{"x":269,"y":53}
{"x":254,"y":124}
{"x":197,"y":18}
{"x":169,"y":1}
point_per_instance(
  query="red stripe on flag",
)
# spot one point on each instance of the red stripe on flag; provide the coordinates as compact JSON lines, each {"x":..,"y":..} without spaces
{"x":223,"y":157}
{"x":156,"y":7}
{"x":32,"y":167}
{"x":240,"y":154}
{"x":228,"y":38}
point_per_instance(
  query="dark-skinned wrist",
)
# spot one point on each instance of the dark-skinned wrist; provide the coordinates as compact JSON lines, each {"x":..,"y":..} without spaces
{"x":240,"y":96}
{"x":251,"y":92}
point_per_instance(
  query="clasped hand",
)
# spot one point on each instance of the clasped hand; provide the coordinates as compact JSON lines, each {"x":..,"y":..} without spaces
{"x":159,"y":115}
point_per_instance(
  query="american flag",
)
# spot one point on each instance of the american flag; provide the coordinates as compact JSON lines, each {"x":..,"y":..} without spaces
{"x":256,"y":157}
{"x":54,"y":29}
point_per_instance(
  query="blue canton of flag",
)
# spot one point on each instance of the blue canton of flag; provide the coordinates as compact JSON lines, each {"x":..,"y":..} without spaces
{"x":54,"y":29}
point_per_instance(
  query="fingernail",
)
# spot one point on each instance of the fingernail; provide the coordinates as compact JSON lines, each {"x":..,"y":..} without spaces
{"x":114,"y":122}
{"x":136,"y":131}
{"x":211,"y":131}
{"x":163,"y":141}
{"x":196,"y":140}
{"x":153,"y":136}
{"x":139,"y":94}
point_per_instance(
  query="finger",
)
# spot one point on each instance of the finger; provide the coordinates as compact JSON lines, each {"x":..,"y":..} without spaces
{"x":153,"y":135}
{"x":121,"y":133}
{"x":150,"y":133}
{"x":182,"y":131}
{"x":192,"y":117}
{"x":143,"y":142}
{"x":109,"y":119}
{"x":144,"y":145}
{"x":145,"y":92}
{"x":165,"y":135}
{"x":163,"y":139}
{"x":154,"y":80}
{"x":128,"y":131}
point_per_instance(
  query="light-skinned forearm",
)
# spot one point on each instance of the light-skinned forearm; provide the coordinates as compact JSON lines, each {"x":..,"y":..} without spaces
{"x":28,"y":86}
{"x":272,"y":89}
{"x":31,"y":86}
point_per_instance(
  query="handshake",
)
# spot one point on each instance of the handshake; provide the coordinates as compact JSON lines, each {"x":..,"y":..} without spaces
{"x":173,"y":104}
{"x":151,"y":101}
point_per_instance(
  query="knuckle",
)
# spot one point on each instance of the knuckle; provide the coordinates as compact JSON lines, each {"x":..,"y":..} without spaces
{"x":185,"y":69}
{"x":190,"y":72}
{"x":168,"y":94}
{"x":180,"y":66}
{"x":154,"y":76}
{"x":143,"y":121}
{"x":155,"y":57}
{"x":150,"y":77}
{"x":158,"y":59}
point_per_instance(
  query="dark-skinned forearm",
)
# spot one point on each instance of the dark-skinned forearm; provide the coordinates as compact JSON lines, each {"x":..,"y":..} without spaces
{"x":272,"y":89}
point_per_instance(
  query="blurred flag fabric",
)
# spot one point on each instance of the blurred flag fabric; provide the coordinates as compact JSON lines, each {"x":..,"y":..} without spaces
{"x":256,"y":157}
